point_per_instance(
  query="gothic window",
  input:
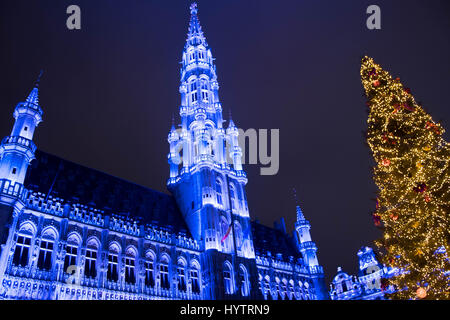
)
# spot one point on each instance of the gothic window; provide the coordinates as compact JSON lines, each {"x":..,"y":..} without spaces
{"x":344,"y":286}
{"x":195,"y":281}
{"x":194,"y":96}
{"x":232,"y":197}
{"x":243,"y":278}
{"x":219,"y":192}
{"x":149,"y":271}
{"x":45,"y":254}
{"x":113,"y":264}
{"x":22,"y":250}
{"x":130,"y":262}
{"x":193,"y":86}
{"x":284,"y":289}
{"x":71,"y":256}
{"x":204,"y":90}
{"x":291,"y":290}
{"x":181,"y":276}
{"x":193,"y":90}
{"x":228,"y":278}
{"x":164,"y":273}
{"x":90,"y":269}
{"x":267,"y":288}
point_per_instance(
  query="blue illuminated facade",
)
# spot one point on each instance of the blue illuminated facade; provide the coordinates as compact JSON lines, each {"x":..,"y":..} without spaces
{"x":71,"y":232}
{"x":367,"y":285}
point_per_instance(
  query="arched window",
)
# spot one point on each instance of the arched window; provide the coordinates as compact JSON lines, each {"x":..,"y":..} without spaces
{"x":284,"y":289}
{"x":344,"y":286}
{"x":164,"y":272}
{"x":130,"y":263}
{"x":23,"y":244}
{"x":277,"y":288}
{"x":228,"y":278}
{"x":232,"y":197}
{"x":149,"y":269}
{"x":70,"y":259}
{"x":195,"y":281}
{"x":193,"y":94}
{"x":291,"y":290}
{"x":90,"y":264}
{"x":243,"y":278}
{"x":267,"y":292}
{"x":238,"y":235}
{"x":204,"y":90}
{"x":46,"y":249}
{"x":181,"y":275}
{"x":219,"y":192}
{"x":113,"y":263}
{"x":22,"y":250}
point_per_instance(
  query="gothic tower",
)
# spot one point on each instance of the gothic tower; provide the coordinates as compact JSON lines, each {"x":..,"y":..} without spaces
{"x":308,"y":249}
{"x":207,"y":180}
{"x":16,"y":152}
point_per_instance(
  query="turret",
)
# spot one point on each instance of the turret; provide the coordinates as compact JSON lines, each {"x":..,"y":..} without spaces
{"x":306,"y":246}
{"x":17,"y":150}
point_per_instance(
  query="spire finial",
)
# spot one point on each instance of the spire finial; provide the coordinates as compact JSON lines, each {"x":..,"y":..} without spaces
{"x":38,"y":80}
{"x":295,"y":195}
{"x":195,"y":33}
{"x":300,"y":216}
{"x":193,"y":8}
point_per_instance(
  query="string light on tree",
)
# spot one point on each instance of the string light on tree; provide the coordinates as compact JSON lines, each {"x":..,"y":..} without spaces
{"x":412,"y":175}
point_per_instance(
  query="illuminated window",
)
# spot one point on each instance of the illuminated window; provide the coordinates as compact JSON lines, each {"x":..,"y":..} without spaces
{"x":71,"y":256}
{"x":45,"y":255}
{"x":149,"y":272}
{"x":232,"y":197}
{"x":113,"y":262}
{"x":21,"y":252}
{"x":164,"y":274}
{"x":90,"y":270}
{"x":181,"y":278}
{"x":228,"y":278}
{"x":130,"y":276}
{"x":219,"y":192}
{"x":243,"y":278}
{"x":204,"y":90}
{"x":195,"y":281}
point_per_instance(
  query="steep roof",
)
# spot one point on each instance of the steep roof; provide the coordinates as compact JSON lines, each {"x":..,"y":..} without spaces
{"x":78,"y":184}
{"x":273,"y":240}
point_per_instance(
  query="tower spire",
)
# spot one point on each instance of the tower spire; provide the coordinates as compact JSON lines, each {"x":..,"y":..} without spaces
{"x":300,"y":216}
{"x":33,"y":98}
{"x":195,"y":34}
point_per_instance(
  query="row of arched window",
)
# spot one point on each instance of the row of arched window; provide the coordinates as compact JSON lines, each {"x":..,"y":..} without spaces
{"x":46,"y":256}
{"x":200,"y":54}
{"x":235,"y":196}
{"x":204,"y":90}
{"x":229,"y":282}
{"x":284,"y":290}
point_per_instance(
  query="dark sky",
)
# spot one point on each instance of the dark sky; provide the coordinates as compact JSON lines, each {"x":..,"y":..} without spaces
{"x":110,"y":89}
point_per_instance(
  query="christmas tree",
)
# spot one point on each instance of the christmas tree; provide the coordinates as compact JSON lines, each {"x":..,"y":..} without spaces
{"x":412,"y":176}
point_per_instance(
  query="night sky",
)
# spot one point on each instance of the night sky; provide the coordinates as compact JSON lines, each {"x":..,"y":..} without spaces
{"x":109,"y":92}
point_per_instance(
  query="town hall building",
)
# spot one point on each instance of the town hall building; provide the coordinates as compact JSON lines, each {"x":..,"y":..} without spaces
{"x":71,"y":232}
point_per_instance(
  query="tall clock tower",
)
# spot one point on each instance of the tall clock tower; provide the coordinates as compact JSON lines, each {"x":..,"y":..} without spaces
{"x":206,"y":176}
